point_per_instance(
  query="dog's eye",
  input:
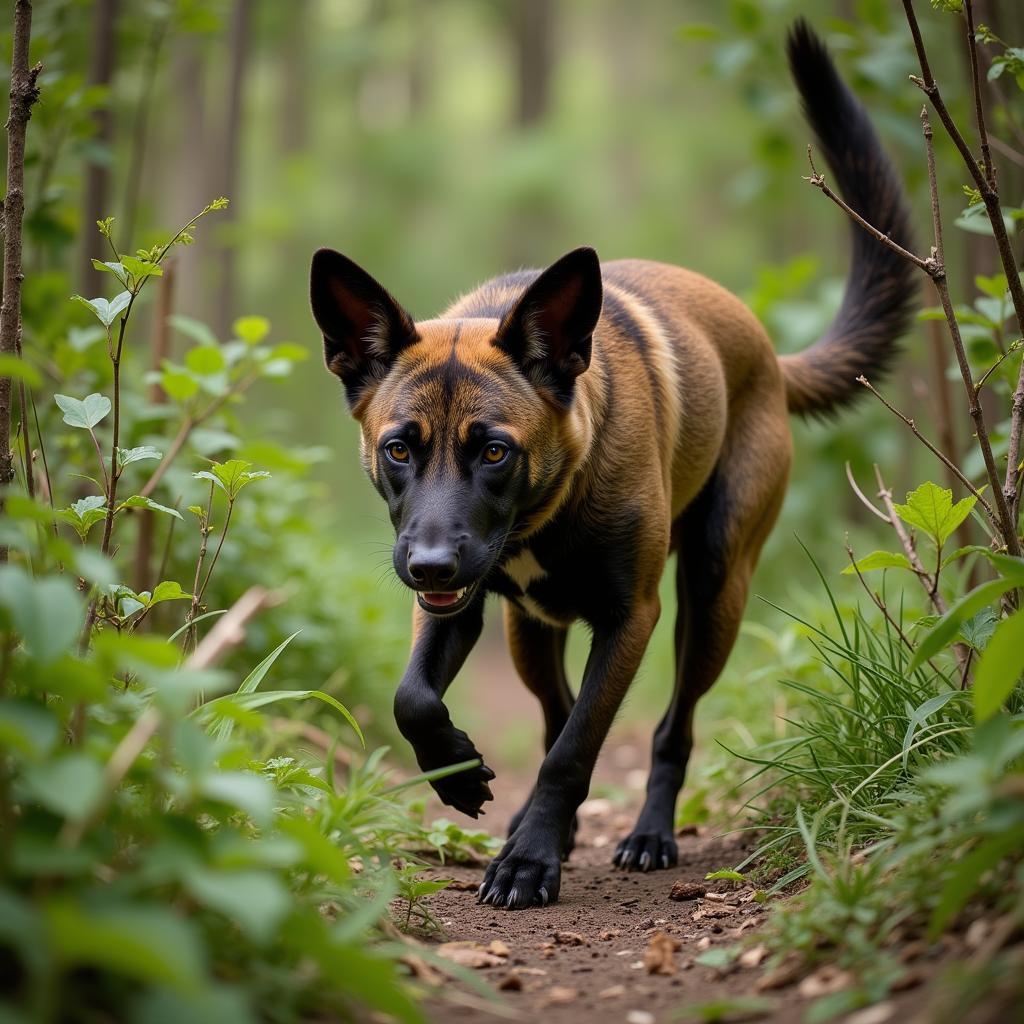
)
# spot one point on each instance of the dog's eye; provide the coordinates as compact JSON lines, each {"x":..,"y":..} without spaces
{"x":397,"y":451}
{"x":495,"y":452}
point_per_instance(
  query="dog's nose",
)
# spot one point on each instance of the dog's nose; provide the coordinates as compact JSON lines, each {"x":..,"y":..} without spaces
{"x":433,"y":568}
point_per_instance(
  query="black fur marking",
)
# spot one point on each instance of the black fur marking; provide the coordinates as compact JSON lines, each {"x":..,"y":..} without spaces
{"x":880,"y":292}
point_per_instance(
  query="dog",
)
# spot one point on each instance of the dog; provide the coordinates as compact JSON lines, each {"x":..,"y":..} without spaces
{"x":554,"y":436}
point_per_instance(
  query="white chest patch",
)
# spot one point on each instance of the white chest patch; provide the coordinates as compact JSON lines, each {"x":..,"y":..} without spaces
{"x":524,"y":569}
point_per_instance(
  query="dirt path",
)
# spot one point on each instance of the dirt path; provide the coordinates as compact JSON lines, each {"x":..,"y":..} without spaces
{"x":615,"y":947}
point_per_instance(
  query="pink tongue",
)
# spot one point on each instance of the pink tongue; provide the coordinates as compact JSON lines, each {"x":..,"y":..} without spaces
{"x":440,"y":599}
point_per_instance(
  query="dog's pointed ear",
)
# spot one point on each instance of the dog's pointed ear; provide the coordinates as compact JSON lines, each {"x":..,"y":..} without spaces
{"x":364,"y":328}
{"x":548,"y":333}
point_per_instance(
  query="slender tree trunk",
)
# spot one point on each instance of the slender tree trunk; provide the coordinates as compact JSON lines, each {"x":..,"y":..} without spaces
{"x":24,"y":92}
{"x":241,"y":20}
{"x":97,"y":172}
{"x":294,"y":109}
{"x":532,"y":25}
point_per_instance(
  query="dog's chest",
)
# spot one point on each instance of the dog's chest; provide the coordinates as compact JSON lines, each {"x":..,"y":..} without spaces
{"x":529,"y":580}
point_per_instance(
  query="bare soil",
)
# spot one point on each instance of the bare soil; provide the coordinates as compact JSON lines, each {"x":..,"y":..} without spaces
{"x":617,"y":947}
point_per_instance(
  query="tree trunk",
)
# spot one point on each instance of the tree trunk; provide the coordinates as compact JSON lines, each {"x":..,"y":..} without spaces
{"x":294,"y":109}
{"x":97,"y":172}
{"x":241,"y":20}
{"x":532,"y":25}
{"x":24,"y":92}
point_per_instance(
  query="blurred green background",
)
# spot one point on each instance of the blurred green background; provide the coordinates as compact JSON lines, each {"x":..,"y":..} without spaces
{"x":438,"y":142}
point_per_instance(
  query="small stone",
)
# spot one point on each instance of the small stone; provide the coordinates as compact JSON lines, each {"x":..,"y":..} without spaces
{"x":511,"y":983}
{"x":687,"y":891}
{"x":608,"y":934}
{"x":498,"y":948}
{"x":825,"y":981}
{"x":570,"y":939}
{"x":562,"y":994}
{"x":639,"y":1017}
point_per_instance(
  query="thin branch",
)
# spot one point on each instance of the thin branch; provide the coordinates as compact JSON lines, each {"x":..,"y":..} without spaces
{"x":979,"y":105}
{"x":941,"y":456}
{"x":879,"y":603}
{"x":864,"y":499}
{"x":818,"y":181}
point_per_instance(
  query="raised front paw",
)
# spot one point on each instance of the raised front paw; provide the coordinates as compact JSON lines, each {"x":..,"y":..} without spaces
{"x":646,"y":851}
{"x":468,"y":790}
{"x":527,"y":872}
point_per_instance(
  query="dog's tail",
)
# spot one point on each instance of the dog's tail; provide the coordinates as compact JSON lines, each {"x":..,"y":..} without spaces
{"x":880,"y":293}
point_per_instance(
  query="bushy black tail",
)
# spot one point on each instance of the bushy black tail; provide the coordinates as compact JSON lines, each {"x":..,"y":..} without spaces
{"x":880,"y":290}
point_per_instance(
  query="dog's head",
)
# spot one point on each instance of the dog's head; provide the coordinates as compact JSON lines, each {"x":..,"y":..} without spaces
{"x":468,"y":425}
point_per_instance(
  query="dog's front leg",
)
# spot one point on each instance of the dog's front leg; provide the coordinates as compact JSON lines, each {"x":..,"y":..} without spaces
{"x":527,"y":872}
{"x":440,"y":646}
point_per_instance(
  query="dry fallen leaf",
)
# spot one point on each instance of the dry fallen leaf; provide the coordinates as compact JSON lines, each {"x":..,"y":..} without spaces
{"x":498,"y":948}
{"x":608,"y":933}
{"x":688,"y":891}
{"x":469,"y":954}
{"x":779,"y":977}
{"x":659,"y":957}
{"x":422,"y":970}
{"x":570,"y":939}
{"x":825,"y":981}
{"x":561,"y":994}
{"x":463,"y":885}
{"x":877,"y":1014}
{"x":613,"y":992}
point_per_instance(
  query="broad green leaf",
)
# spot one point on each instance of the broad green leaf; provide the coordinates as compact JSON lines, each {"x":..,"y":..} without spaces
{"x":231,"y":476}
{"x":141,"y":269}
{"x":724,"y":874}
{"x":169,"y":590}
{"x":930,"y":508}
{"x":246,"y":791}
{"x":944,"y":632}
{"x":878,"y":560}
{"x":148,"y":943}
{"x":28,"y":728}
{"x":16,"y":367}
{"x":117,"y":269}
{"x":178,"y":384}
{"x":251,"y":329}
{"x":978,"y":629}
{"x":921,"y":714}
{"x":290,"y":351}
{"x":139,"y":501}
{"x":84,"y":413}
{"x":126,"y":456}
{"x":70,"y":786}
{"x":1000,"y":667}
{"x":256,"y":900}
{"x":104,"y":311}
{"x":204,"y":360}
{"x":46,"y":612}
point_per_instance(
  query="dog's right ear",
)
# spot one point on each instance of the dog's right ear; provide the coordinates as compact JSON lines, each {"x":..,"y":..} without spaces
{"x":364,"y":328}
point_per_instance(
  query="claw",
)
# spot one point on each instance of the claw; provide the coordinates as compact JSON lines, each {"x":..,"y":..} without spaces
{"x":488,"y":772}
{"x":512,"y":897}
{"x":543,"y":896}
{"x":664,"y":860}
{"x":480,"y":892}
{"x":645,"y":861}
{"x":626,"y":859}
{"x":493,"y":897}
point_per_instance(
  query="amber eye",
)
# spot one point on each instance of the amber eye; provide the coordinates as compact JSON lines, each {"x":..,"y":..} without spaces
{"x":495,"y":452}
{"x":397,"y":451}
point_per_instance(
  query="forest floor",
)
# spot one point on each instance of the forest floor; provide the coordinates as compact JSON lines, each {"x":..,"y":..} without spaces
{"x":617,"y":946}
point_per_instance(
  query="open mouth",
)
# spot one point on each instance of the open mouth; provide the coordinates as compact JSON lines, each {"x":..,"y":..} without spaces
{"x":445,"y":602}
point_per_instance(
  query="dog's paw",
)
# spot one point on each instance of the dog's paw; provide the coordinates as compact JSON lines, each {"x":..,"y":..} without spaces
{"x":527,"y":873}
{"x":646,"y":851}
{"x":467,"y":791}
{"x":570,"y":842}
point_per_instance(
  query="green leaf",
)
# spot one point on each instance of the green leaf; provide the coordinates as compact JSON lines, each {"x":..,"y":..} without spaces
{"x":246,"y":791}
{"x":251,"y":329}
{"x":920,"y":715}
{"x":231,"y":476}
{"x":139,"y":501}
{"x":878,"y":560}
{"x":205,"y":360}
{"x":146,"y":943}
{"x":251,"y":701}
{"x":930,"y":508}
{"x":256,"y":900}
{"x":169,"y":590}
{"x":84,"y":413}
{"x":116,"y":269}
{"x":70,"y":786}
{"x":721,"y":956}
{"x":104,"y":311}
{"x":978,"y":629}
{"x":126,"y":456}
{"x":290,"y":351}
{"x":944,"y":632}
{"x":28,"y":728}
{"x":178,"y":384}
{"x":46,"y":612}
{"x":194,"y":329}
{"x":141,"y":269}
{"x":16,"y":367}
{"x":1000,"y":667}
{"x":725,"y":874}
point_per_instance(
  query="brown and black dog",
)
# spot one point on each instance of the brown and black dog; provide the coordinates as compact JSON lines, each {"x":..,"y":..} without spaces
{"x":553,"y":436}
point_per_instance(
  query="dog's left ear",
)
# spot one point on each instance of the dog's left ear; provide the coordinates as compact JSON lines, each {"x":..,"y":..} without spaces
{"x":364,"y":328}
{"x":548,"y":333}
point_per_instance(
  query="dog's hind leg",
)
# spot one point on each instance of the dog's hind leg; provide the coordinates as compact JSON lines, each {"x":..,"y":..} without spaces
{"x":538,"y":653}
{"x":718,"y":541}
